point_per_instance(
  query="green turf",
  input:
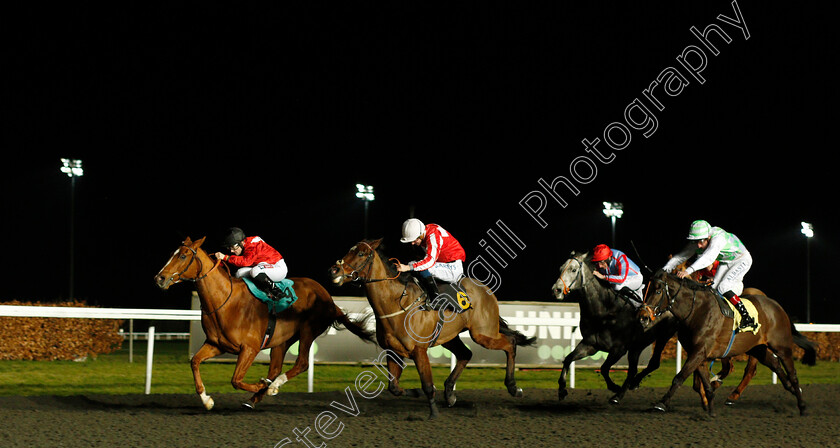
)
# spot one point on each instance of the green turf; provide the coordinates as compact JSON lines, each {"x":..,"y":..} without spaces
{"x":113,"y":374}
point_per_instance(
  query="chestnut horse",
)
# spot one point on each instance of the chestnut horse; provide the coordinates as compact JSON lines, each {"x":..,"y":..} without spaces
{"x":707,"y":334}
{"x":408,"y":331}
{"x":234,"y":321}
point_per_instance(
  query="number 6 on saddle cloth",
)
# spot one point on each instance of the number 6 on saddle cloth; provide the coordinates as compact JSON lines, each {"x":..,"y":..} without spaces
{"x":439,"y":295}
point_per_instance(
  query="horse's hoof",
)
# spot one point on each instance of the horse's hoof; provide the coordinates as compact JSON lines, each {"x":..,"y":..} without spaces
{"x":516,"y":392}
{"x":206,"y":401}
{"x":274,"y":388}
{"x":614,"y":400}
{"x":433,"y":414}
{"x":658,"y":407}
{"x":450,"y":401}
{"x":562,"y":393}
{"x":248,"y":405}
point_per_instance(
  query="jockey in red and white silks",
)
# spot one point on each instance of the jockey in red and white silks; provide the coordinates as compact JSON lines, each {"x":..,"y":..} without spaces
{"x":256,"y":259}
{"x":444,"y":254}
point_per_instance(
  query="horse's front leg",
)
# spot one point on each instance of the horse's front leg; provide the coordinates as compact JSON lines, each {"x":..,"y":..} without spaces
{"x":583,"y":349}
{"x":206,"y":351}
{"x":424,"y":369}
{"x":709,"y":398}
{"x":612,"y":357}
{"x":246,"y":357}
{"x":694,"y":360}
{"x":632,"y":368}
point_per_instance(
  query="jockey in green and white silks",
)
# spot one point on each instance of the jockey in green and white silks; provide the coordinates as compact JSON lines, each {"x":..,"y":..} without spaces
{"x":710,"y":244}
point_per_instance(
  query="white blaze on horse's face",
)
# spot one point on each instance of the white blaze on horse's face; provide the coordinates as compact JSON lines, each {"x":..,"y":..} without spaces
{"x":569,"y":278}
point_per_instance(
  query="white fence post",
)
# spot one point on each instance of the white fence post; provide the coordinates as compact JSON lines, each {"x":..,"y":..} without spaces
{"x":310,"y":374}
{"x":150,"y":350}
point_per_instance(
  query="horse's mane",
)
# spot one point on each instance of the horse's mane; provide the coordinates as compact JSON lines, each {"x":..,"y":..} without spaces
{"x":402,"y":277}
{"x":688,"y":282}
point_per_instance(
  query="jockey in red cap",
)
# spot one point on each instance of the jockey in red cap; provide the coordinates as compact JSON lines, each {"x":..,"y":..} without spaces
{"x":614,"y":267}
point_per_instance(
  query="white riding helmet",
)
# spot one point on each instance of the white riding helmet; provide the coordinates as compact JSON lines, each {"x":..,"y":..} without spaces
{"x":699,"y":230}
{"x":412,"y":229}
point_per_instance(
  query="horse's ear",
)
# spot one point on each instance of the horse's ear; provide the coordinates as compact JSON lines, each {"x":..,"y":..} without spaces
{"x":198,"y":243}
{"x":187,"y":241}
{"x":375,"y":243}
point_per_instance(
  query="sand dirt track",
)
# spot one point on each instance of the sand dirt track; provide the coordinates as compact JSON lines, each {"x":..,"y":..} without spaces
{"x":765,"y":417}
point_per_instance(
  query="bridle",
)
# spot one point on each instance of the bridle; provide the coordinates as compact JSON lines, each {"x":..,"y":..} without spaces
{"x":354,"y":275}
{"x":367,"y":263}
{"x":655,"y":311}
{"x":567,"y":287}
{"x":198,"y":275}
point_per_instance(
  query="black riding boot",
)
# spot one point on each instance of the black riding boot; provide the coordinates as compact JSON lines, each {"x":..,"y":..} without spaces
{"x":267,"y":285}
{"x":746,"y":320}
{"x":630,"y":296}
{"x":430,"y":288}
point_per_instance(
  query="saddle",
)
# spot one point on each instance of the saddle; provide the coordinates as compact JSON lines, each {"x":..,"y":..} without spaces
{"x":275,"y":305}
{"x":728,"y":310}
{"x":450,"y":293}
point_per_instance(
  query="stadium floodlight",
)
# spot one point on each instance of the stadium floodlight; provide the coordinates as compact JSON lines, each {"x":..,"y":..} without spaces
{"x":365,"y":193}
{"x":73,"y":169}
{"x":613,"y":210}
{"x":808,"y":231}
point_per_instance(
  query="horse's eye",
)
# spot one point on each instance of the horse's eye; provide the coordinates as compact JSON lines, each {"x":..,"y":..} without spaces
{"x":183,"y":257}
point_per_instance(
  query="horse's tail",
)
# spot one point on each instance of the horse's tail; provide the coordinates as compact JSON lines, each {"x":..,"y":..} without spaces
{"x":810,"y":347}
{"x":518,"y":338}
{"x":356,"y":326}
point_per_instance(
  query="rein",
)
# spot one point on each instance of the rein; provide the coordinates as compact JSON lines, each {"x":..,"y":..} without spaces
{"x":567,"y":288}
{"x":354,"y":275}
{"x":199,"y":277}
{"x":655,"y":311}
{"x":368,"y":263}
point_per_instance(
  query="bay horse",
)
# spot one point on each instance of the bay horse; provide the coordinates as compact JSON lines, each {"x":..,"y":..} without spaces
{"x":404,"y":328}
{"x":707,"y":334}
{"x":608,"y":323}
{"x":235,"y":321}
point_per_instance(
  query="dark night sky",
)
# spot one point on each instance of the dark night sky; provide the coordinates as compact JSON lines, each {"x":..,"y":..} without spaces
{"x":194,"y":118}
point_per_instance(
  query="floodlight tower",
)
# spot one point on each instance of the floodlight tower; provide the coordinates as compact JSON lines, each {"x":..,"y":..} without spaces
{"x":73,"y":169}
{"x":808,"y":231}
{"x":613,"y":210}
{"x":365,"y":193}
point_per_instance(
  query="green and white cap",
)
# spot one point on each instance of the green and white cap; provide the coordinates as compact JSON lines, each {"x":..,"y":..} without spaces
{"x":700,"y":230}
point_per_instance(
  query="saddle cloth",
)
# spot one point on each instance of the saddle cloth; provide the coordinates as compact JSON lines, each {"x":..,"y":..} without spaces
{"x":751,"y":310}
{"x":274,"y":305}
{"x":452,"y":293}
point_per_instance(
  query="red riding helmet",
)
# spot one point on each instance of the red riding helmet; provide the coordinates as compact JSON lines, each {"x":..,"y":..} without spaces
{"x":601,"y":253}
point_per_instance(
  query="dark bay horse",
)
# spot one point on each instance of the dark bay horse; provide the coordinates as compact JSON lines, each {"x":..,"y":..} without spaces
{"x":403,"y":328}
{"x":234,"y":321}
{"x":608,"y":323}
{"x":707,"y":334}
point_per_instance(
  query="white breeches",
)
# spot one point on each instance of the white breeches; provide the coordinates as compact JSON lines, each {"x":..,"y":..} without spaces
{"x":276,"y":272}
{"x":730,"y":276}
{"x":634,"y":282}
{"x":447,"y":272}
